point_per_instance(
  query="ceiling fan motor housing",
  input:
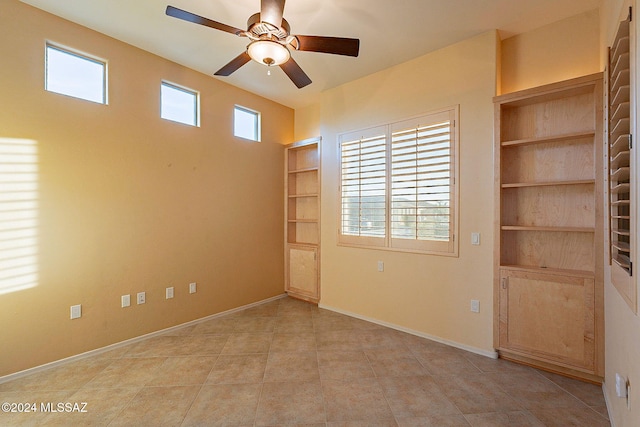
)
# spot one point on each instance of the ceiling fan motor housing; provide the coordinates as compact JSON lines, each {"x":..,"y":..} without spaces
{"x":257,"y":28}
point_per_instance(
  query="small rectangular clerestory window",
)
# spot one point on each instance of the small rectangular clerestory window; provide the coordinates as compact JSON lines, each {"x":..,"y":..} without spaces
{"x":179,"y":104}
{"x":74,"y":74}
{"x":246,"y":123}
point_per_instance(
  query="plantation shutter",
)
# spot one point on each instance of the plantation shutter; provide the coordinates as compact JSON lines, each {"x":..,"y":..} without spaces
{"x":363,"y":187}
{"x":622,"y":215}
{"x":422,"y":183}
{"x":397,"y":185}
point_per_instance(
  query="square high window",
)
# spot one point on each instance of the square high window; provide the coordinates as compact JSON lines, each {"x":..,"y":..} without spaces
{"x":76,"y":75}
{"x":178,"y":104}
{"x":246,"y":123}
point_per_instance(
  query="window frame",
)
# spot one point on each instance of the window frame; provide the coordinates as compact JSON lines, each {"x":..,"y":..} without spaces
{"x":81,"y":55}
{"x":257,"y":122}
{"x":184,"y":89}
{"x":391,"y":242}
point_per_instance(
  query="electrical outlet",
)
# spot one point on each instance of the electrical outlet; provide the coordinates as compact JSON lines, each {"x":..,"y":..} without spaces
{"x":142,"y":297}
{"x":381,"y":266}
{"x":125,"y":301}
{"x":475,"y":306}
{"x":169,"y":292}
{"x":76,"y":311}
{"x":192,"y":288}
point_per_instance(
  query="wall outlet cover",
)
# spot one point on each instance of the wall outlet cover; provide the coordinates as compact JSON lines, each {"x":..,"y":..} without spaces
{"x":76,"y":311}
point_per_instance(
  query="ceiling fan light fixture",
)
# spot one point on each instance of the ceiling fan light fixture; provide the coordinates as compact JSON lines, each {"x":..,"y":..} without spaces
{"x":268,"y":52}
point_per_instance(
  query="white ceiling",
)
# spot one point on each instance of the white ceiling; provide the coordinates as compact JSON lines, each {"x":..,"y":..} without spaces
{"x":390,"y":32}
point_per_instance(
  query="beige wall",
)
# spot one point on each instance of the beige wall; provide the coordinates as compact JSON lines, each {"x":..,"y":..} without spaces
{"x":425,"y":293}
{"x":622,"y":326}
{"x":555,"y":52}
{"x":307,"y":122}
{"x":128,"y":202}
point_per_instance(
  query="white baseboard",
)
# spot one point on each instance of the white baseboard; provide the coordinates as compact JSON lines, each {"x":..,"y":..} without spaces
{"x":491,"y":354}
{"x":117,"y":345}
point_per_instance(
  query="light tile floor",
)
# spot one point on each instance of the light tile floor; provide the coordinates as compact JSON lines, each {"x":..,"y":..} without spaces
{"x":290,"y":363}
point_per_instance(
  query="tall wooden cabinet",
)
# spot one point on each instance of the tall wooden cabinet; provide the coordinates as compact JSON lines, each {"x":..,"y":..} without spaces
{"x":302,"y":217}
{"x":549,"y":227}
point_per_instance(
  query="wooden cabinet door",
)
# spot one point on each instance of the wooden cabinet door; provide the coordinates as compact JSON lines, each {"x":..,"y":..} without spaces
{"x":302,"y":272}
{"x":549,"y":317}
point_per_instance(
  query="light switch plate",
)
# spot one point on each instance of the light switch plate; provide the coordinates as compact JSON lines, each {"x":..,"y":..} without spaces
{"x":475,"y":306}
{"x":475,"y":239}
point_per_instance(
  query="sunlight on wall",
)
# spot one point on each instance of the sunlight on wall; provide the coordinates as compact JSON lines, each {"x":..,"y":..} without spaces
{"x":18,"y":214}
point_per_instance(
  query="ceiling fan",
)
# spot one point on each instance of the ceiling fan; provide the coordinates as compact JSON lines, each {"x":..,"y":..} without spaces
{"x":271,"y":40}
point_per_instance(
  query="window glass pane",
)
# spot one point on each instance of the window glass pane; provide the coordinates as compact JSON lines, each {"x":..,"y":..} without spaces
{"x":246,"y":124}
{"x":178,"y":104}
{"x":75,"y":75}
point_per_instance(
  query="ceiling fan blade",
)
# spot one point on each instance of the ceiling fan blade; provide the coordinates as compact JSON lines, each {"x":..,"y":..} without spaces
{"x":333,"y":45}
{"x":295,"y":73}
{"x":271,"y":11}
{"x":197,"y":19}
{"x":235,"y":63}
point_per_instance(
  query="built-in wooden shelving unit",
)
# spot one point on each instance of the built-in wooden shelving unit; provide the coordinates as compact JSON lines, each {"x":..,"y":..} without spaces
{"x":549,"y":227}
{"x":302,"y":228}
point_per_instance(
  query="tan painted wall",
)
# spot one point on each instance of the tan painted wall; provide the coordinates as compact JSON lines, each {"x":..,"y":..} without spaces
{"x":622,"y":326}
{"x":307,"y":122}
{"x":555,"y":52}
{"x":129,"y":202}
{"x":425,"y":293}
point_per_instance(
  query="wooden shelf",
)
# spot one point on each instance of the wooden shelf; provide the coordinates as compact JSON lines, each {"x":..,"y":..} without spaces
{"x":553,"y":138}
{"x":548,"y":184}
{"x":299,"y":196}
{"x":303,"y":221}
{"x":314,"y":169}
{"x":549,"y":229}
{"x":581,"y":273}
